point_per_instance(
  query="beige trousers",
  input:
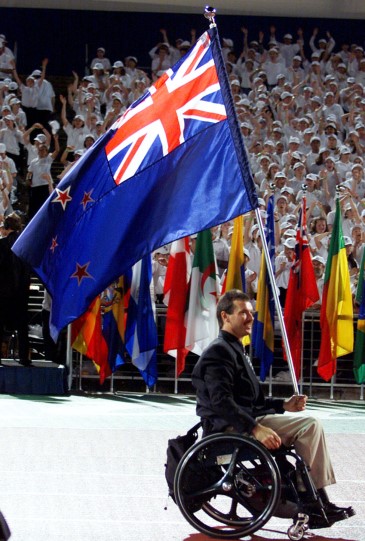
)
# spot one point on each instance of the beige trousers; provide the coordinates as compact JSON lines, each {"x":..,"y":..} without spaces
{"x":307,"y":436}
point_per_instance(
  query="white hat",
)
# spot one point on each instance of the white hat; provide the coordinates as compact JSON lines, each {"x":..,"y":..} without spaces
{"x":235,"y":82}
{"x":290,"y":232}
{"x":285,"y":95}
{"x":163,"y":250}
{"x":298,"y":164}
{"x":41,"y":138}
{"x":285,"y":225}
{"x":347,"y":241}
{"x":118,"y":64}
{"x":290,"y":243}
{"x":319,"y":259}
{"x":228,"y":42}
{"x":294,"y":140}
{"x":97,"y":66}
{"x":185,"y":44}
{"x":288,"y":36}
{"x":279,"y":174}
{"x":2,"y":148}
{"x":101,"y":49}
{"x":287,"y":189}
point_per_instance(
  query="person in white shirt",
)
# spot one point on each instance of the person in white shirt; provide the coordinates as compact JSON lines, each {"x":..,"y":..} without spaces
{"x":100,"y":59}
{"x":40,"y":178}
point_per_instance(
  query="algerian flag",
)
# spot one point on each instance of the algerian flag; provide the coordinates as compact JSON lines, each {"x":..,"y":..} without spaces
{"x":201,"y":319}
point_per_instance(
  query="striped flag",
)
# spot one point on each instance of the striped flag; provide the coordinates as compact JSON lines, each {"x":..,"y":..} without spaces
{"x":263,"y":327}
{"x":201,"y":321}
{"x":359,"y":355}
{"x":87,"y":338}
{"x":336,"y":311}
{"x":141,"y":332}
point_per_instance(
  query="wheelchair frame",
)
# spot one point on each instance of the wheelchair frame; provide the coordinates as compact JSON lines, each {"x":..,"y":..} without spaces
{"x":228,"y":486}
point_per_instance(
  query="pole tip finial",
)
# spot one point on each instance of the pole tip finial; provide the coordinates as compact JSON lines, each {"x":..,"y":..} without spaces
{"x":209,"y":13}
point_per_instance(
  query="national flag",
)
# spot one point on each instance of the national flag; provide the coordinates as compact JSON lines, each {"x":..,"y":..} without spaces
{"x":337,"y":333}
{"x":176,"y":289}
{"x":235,"y":277}
{"x":359,"y":352}
{"x":172,"y":165}
{"x":201,"y":318}
{"x":87,"y":338}
{"x":115,"y":301}
{"x":263,"y":326}
{"x":141,"y":332}
{"x":302,"y":290}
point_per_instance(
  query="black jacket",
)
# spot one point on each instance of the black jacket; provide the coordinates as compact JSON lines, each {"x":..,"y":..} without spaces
{"x":14,"y":273}
{"x":228,"y":392}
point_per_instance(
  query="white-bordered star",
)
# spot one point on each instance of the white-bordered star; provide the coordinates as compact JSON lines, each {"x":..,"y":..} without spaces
{"x":63,"y":197}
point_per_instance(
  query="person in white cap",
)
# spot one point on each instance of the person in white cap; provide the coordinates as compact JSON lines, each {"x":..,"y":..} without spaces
{"x":100,"y":59}
{"x":6,"y":62}
{"x":319,"y":265}
{"x":283,"y":264}
{"x":39,"y":177}
{"x":42,"y":137}
{"x":76,"y":130}
{"x":288,"y":49}
{"x":30,"y":93}
{"x":160,"y":260}
{"x":273,"y":66}
{"x":350,"y":213}
{"x":358,"y":242}
{"x":161,"y":59}
{"x":344,"y":164}
{"x":46,"y":96}
{"x":353,"y":265}
{"x":253,"y":243}
{"x":324,"y":46}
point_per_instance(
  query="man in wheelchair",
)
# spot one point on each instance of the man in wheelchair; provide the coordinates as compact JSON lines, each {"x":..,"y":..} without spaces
{"x":230,"y":399}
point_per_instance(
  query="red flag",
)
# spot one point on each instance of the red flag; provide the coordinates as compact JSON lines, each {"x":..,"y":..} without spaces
{"x":176,"y":291}
{"x":302,"y":290}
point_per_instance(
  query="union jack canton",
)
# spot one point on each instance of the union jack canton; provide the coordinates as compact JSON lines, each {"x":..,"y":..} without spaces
{"x":178,"y":106}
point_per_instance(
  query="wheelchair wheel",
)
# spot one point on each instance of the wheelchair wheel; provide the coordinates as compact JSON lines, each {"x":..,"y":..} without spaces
{"x":227,"y":486}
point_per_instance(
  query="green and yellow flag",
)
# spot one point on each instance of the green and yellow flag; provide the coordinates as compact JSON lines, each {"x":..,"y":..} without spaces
{"x":359,"y":357}
{"x":337,"y":310}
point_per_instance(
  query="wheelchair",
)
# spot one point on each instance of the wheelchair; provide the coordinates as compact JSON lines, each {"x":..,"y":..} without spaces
{"x":228,"y":486}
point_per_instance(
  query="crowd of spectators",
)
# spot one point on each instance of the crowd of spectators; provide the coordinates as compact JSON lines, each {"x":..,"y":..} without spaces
{"x":300,"y":104}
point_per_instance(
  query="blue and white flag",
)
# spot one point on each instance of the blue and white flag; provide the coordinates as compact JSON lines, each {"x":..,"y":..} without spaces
{"x":172,"y":165}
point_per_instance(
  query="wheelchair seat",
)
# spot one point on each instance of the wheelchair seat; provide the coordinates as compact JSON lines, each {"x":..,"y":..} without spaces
{"x":228,"y":486}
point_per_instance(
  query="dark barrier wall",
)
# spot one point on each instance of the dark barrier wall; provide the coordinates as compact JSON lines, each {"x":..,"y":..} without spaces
{"x":61,"y":35}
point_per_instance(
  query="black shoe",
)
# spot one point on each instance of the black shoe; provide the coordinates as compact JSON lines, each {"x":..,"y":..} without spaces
{"x":332,"y":509}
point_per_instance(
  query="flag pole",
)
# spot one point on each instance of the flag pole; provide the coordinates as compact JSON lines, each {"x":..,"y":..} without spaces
{"x":210,"y":13}
{"x":277,"y":302}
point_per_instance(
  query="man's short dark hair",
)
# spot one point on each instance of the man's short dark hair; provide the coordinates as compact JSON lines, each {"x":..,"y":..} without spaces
{"x":226,"y":303}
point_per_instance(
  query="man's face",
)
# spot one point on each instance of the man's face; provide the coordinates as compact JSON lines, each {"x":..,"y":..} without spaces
{"x":318,"y":268}
{"x":239,"y":323}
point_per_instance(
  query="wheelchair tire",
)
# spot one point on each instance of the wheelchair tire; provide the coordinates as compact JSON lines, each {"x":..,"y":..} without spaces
{"x":227,"y":486}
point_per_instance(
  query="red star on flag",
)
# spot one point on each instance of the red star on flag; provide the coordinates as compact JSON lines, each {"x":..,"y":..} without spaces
{"x":63,"y":197}
{"x":81,"y":272}
{"x":54,"y":244}
{"x":87,"y":199}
